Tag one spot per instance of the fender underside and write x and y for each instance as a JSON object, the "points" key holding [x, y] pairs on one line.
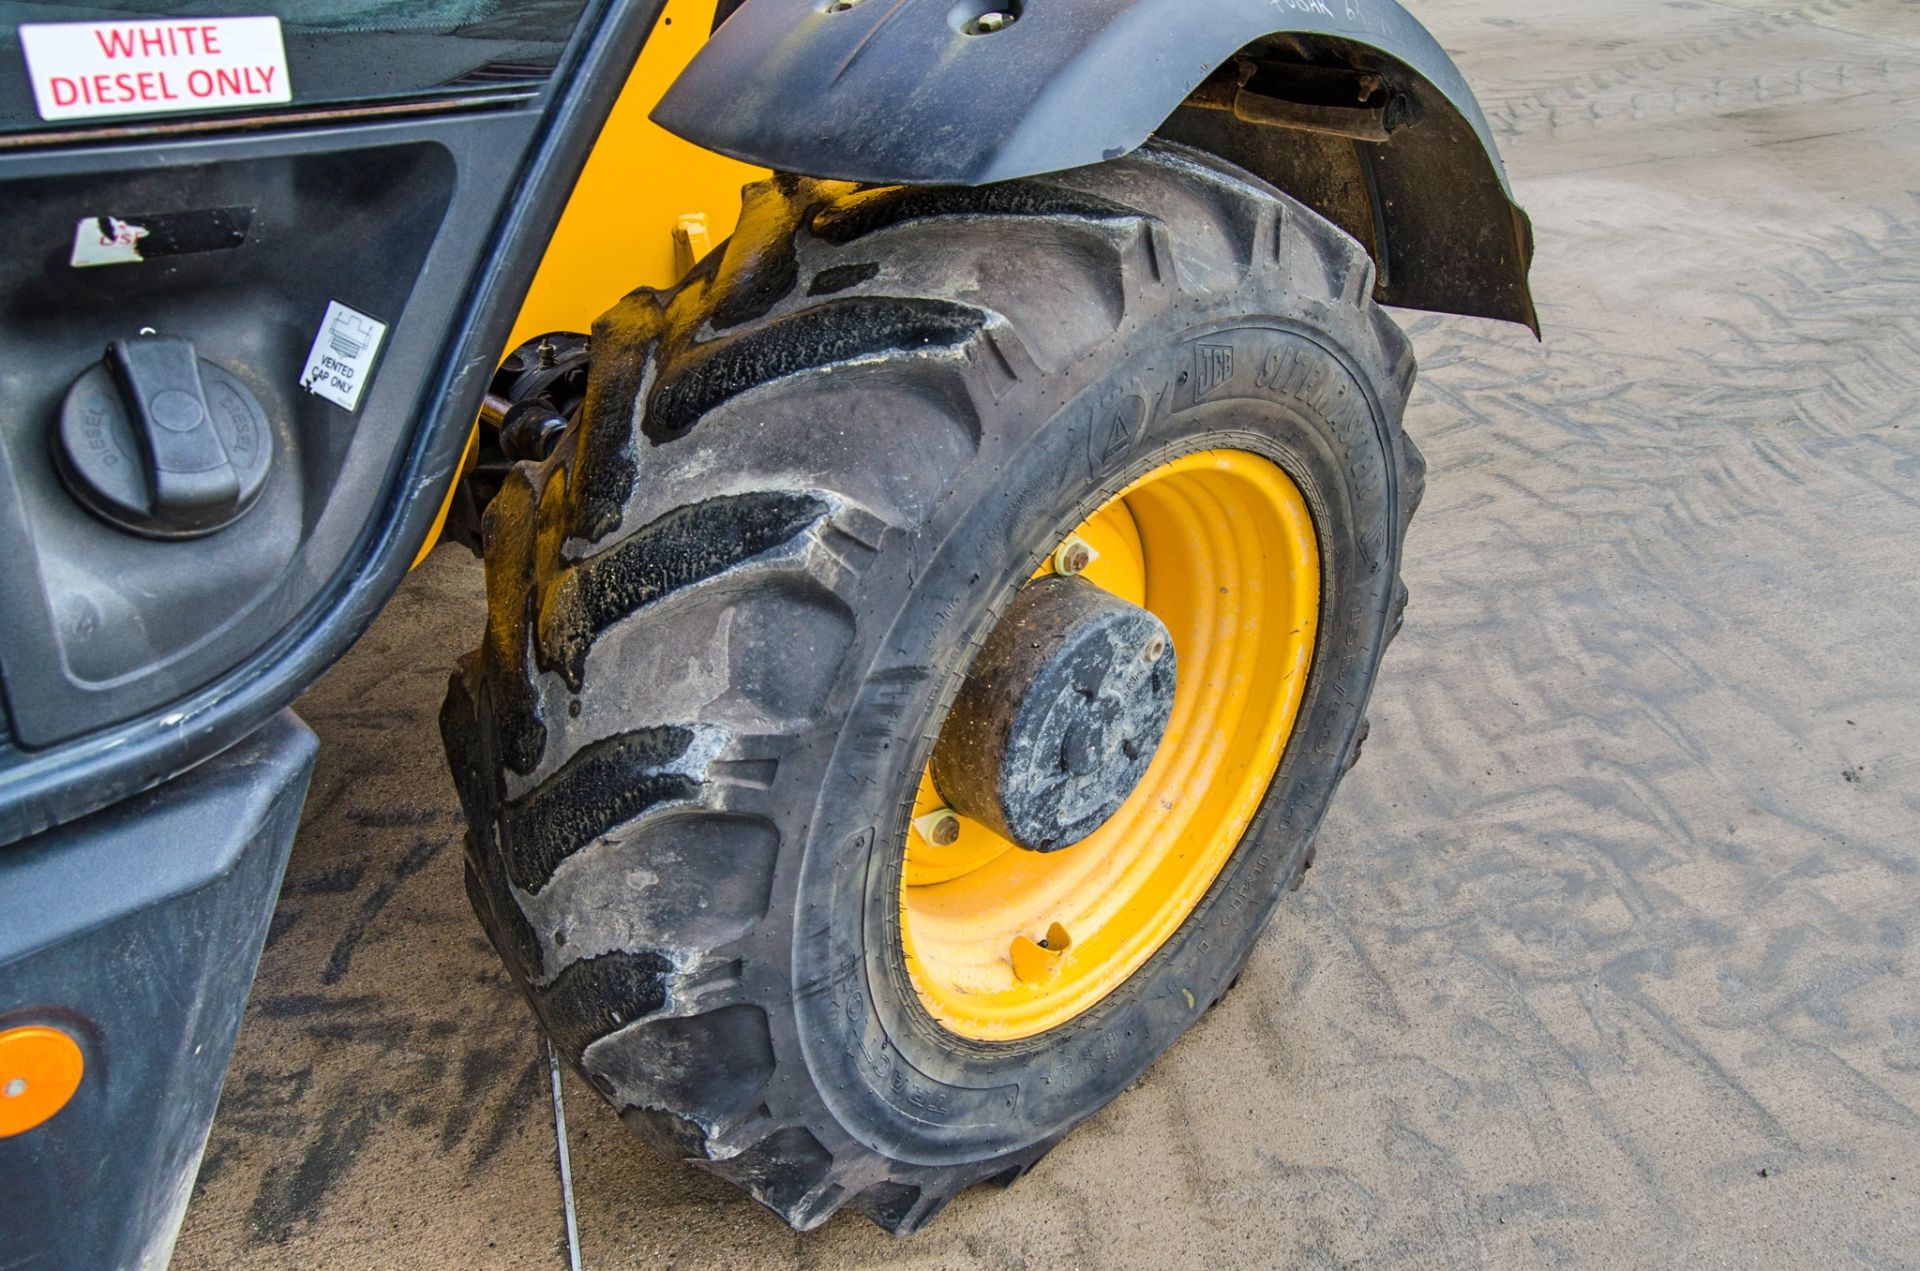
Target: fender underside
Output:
{"points": [[1350, 106]]}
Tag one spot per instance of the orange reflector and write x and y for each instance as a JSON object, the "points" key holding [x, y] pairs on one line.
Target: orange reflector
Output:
{"points": [[39, 1071]]}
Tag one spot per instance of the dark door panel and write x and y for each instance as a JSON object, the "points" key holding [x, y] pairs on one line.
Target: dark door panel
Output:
{"points": [[241, 361]]}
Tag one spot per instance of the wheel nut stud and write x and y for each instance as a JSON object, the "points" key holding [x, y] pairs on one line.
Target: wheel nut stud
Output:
{"points": [[1073, 557], [1155, 649], [940, 827]]}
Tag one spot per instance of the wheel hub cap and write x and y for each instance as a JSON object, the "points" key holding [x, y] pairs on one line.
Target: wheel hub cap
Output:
{"points": [[1060, 716]]}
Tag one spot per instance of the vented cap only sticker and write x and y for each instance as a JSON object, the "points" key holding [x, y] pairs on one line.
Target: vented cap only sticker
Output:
{"points": [[91, 70], [341, 360]]}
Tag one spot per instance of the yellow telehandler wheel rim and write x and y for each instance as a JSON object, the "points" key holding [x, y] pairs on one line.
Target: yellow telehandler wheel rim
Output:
{"points": [[1003, 943]]}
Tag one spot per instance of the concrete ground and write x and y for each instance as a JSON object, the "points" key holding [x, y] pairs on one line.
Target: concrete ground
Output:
{"points": [[1613, 953]]}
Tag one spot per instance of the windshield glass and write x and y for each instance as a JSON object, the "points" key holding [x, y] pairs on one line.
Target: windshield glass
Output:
{"points": [[336, 51]]}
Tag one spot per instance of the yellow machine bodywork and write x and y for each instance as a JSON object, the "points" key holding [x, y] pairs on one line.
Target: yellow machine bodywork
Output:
{"points": [[646, 207]]}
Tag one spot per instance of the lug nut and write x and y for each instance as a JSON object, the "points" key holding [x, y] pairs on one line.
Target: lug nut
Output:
{"points": [[1073, 556], [988, 23], [1155, 650], [940, 828]]}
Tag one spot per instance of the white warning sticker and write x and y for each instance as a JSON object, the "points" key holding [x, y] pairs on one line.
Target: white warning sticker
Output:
{"points": [[341, 360], [106, 240], [85, 70]]}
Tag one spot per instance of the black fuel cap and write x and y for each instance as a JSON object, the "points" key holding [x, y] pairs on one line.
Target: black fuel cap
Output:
{"points": [[161, 442]]}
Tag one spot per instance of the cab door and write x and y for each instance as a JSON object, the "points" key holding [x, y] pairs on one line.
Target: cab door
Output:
{"points": [[303, 228]]}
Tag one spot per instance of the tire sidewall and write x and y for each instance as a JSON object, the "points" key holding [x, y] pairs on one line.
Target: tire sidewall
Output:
{"points": [[892, 1077]]}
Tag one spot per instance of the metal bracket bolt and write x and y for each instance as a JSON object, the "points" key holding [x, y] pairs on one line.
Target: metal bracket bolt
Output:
{"points": [[940, 827], [1073, 556]]}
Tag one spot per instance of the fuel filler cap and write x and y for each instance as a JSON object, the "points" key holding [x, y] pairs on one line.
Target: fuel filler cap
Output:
{"points": [[160, 442]]}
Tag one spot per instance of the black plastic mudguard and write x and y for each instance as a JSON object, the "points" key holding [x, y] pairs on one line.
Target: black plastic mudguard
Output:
{"points": [[898, 91]]}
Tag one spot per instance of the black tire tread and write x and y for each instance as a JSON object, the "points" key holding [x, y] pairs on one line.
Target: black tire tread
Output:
{"points": [[571, 779]]}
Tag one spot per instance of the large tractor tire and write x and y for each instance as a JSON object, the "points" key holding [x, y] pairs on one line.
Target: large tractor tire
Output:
{"points": [[911, 688]]}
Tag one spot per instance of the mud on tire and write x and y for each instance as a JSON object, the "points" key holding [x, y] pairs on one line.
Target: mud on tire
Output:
{"points": [[727, 615]]}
